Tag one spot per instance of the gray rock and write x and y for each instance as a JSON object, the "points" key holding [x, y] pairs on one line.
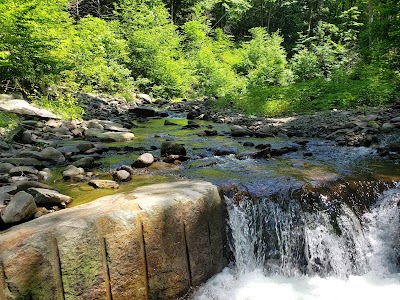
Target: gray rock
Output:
{"points": [[5, 167], [24, 170], [104, 184], [48, 197], [143, 161], [21, 107], [84, 162], [4, 145], [114, 136], [129, 169], [26, 137], [84, 146], [238, 131], [72, 172], [144, 98], [395, 120], [52, 154], [24, 161], [121, 175], [21, 207], [25, 185], [68, 149], [9, 189], [45, 174]]}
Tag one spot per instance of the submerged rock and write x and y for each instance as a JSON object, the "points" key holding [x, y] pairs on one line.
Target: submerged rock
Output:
{"points": [[172, 148]]}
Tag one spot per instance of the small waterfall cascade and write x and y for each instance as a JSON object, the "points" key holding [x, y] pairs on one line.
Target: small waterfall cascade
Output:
{"points": [[281, 237], [312, 246]]}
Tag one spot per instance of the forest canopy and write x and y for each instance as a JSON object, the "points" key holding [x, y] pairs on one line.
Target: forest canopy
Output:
{"points": [[268, 57]]}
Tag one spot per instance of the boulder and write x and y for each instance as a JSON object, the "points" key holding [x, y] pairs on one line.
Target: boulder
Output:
{"points": [[143, 161], [72, 172], [48, 197], [44, 174], [152, 243], [106, 136], [4, 146], [52, 154], [21, 107], [9, 189], [143, 111], [5, 167], [121, 175], [239, 131], [394, 147], [22, 207], [24, 170], [144, 98], [172, 148], [104, 184], [84, 162]]}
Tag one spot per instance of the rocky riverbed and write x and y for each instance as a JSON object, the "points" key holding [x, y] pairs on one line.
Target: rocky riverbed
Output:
{"points": [[113, 149]]}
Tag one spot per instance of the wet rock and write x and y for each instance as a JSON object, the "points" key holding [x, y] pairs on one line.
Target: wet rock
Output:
{"points": [[169, 123], [48, 197], [52, 154], [5, 167], [24, 170], [21, 207], [223, 150], [143, 111], [210, 132], [283, 150], [394, 147], [172, 148], [239, 131], [104, 184], [143, 161], [191, 125], [121, 175], [84, 162], [248, 144]]}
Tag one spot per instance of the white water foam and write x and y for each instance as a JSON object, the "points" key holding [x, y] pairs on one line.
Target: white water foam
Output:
{"points": [[363, 260]]}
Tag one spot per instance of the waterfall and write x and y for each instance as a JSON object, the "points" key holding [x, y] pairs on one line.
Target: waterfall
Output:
{"points": [[318, 247]]}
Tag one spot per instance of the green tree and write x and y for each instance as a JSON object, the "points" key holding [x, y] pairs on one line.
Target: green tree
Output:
{"points": [[31, 32], [97, 56], [157, 62]]}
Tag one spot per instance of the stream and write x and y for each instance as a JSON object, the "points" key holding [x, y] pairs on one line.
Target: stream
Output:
{"points": [[321, 222]]}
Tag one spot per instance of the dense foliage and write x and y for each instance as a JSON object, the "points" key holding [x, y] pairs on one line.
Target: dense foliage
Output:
{"points": [[263, 56]]}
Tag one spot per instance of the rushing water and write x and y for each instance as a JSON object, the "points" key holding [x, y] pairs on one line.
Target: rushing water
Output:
{"points": [[285, 250]]}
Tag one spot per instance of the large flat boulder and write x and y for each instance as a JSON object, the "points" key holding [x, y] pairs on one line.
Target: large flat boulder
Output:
{"points": [[152, 243], [21, 107]]}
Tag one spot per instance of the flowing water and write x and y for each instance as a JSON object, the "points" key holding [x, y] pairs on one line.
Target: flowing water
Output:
{"points": [[284, 249]]}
